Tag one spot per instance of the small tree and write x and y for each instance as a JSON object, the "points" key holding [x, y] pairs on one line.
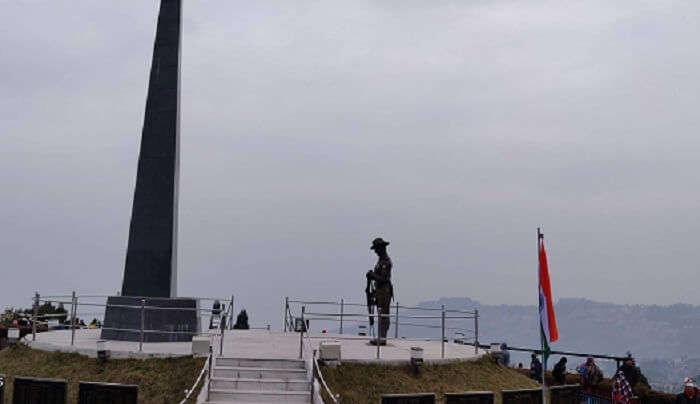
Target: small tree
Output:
{"points": [[241, 321], [49, 309]]}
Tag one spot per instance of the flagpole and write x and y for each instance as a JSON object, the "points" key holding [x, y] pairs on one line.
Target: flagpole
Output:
{"points": [[540, 236]]}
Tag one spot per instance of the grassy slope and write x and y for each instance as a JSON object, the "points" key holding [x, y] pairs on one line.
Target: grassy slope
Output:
{"points": [[160, 381], [366, 383]]}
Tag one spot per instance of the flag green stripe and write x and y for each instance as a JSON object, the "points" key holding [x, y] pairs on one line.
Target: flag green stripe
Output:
{"points": [[545, 346]]}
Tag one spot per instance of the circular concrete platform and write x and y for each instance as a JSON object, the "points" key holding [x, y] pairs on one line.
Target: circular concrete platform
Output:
{"points": [[261, 344]]}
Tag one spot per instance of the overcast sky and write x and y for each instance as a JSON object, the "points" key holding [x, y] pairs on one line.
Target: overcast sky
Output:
{"points": [[451, 128]]}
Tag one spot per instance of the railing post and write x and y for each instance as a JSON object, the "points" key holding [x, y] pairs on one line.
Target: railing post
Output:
{"points": [[301, 333], [313, 376], [342, 306], [35, 315], [73, 313], [286, 310], [221, 341], [396, 322], [143, 323], [211, 359], [476, 331], [379, 331], [230, 317], [442, 340]]}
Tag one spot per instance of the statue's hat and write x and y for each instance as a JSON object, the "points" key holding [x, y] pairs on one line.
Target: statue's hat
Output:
{"points": [[378, 242]]}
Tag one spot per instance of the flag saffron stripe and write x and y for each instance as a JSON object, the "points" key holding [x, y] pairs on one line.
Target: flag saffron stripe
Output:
{"points": [[549, 323]]}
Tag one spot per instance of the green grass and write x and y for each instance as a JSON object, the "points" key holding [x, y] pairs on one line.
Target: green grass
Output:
{"points": [[160, 381], [365, 383]]}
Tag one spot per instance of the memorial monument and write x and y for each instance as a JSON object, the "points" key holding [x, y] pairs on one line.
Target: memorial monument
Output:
{"points": [[383, 290], [150, 273]]}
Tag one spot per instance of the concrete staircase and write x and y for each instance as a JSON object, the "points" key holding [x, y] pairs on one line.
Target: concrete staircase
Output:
{"points": [[237, 380]]}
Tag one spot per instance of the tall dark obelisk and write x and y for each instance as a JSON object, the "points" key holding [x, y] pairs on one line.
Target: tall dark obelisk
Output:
{"points": [[150, 273], [151, 257]]}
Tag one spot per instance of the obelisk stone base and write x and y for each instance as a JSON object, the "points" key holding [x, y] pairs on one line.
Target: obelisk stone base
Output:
{"points": [[124, 323]]}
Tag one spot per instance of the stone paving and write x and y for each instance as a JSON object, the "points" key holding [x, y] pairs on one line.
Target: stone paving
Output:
{"points": [[261, 344]]}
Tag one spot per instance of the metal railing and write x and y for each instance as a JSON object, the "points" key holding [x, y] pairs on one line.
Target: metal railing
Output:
{"points": [[590, 398], [538, 351], [305, 346], [315, 368], [348, 313], [75, 303]]}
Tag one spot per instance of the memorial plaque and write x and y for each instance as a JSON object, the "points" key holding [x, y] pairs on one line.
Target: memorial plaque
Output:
{"points": [[420, 398], [469, 397], [107, 393], [527, 396], [566, 394], [28, 390], [2, 388]]}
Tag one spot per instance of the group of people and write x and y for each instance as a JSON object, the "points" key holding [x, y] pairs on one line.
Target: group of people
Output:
{"points": [[558, 372], [590, 374], [627, 376]]}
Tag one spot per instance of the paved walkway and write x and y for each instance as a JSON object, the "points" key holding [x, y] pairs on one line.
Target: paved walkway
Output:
{"points": [[260, 344]]}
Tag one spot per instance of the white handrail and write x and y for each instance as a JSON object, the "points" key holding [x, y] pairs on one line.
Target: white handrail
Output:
{"points": [[320, 374], [196, 383]]}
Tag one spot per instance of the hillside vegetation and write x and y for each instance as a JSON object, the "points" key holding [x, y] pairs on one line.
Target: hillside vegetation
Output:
{"points": [[160, 381], [365, 383]]}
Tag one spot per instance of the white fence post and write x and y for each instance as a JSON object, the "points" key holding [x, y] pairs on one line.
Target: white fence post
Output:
{"points": [[35, 317], [476, 331], [230, 317], [143, 322], [342, 306], [301, 333], [379, 331], [396, 322], [209, 376], [442, 340], [286, 310], [73, 313]]}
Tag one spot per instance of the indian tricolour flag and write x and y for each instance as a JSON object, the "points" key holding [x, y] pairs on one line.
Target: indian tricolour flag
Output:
{"points": [[548, 324]]}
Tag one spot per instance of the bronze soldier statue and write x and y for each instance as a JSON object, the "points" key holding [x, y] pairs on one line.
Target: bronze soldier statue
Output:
{"points": [[383, 289]]}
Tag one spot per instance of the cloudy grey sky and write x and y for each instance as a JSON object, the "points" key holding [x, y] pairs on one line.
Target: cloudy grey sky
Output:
{"points": [[451, 128]]}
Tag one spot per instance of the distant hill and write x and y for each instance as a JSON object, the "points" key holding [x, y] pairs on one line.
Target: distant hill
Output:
{"points": [[649, 332], [664, 339]]}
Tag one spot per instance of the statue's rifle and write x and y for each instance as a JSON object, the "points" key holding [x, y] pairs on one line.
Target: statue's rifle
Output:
{"points": [[371, 301]]}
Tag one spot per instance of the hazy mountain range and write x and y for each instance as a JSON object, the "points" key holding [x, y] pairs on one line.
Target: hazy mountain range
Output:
{"points": [[664, 339]]}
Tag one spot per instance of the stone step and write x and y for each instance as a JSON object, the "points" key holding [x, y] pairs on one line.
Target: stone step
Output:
{"points": [[260, 363], [236, 396], [260, 384], [234, 372]]}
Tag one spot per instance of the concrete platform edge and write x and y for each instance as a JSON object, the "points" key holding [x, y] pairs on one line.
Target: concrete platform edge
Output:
{"points": [[92, 353]]}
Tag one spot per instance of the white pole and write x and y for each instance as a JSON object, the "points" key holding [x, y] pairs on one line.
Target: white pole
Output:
{"points": [[35, 315], [230, 316], [396, 322], [143, 323], [221, 342], [476, 331], [301, 333], [379, 331], [442, 339], [73, 312], [286, 310], [342, 309]]}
